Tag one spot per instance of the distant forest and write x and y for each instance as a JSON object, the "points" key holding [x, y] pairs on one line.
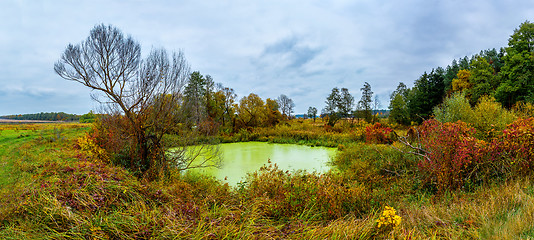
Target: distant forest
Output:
{"points": [[50, 116]]}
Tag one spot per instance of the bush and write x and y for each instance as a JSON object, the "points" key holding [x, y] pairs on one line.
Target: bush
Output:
{"points": [[516, 146], [454, 158], [524, 109], [88, 117], [89, 147], [117, 147], [284, 195], [452, 154], [374, 165], [453, 109], [378, 134], [488, 117]]}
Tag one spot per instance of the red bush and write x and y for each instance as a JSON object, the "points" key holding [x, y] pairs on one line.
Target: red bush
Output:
{"points": [[453, 157], [517, 146], [378, 134], [452, 153]]}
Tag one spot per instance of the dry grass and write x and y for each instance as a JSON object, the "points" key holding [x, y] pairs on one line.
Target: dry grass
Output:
{"points": [[71, 198], [498, 212]]}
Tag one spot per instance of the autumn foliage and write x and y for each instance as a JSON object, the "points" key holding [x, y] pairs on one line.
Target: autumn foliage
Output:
{"points": [[282, 194], [454, 158], [378, 134], [451, 153], [517, 146]]}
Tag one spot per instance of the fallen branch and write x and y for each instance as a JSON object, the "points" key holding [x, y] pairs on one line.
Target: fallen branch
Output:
{"points": [[418, 149]]}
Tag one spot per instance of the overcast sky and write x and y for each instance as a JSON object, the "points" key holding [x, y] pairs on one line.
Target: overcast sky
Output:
{"points": [[299, 48]]}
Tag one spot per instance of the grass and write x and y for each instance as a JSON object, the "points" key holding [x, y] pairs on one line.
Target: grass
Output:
{"points": [[49, 190], [23, 146]]}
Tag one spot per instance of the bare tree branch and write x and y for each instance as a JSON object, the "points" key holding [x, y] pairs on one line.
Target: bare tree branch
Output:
{"points": [[146, 92]]}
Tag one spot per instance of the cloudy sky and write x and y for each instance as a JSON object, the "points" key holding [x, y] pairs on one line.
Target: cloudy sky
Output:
{"points": [[299, 48]]}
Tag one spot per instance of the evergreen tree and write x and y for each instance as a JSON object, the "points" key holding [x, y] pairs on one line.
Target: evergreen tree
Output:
{"points": [[365, 102], [451, 73], [332, 101], [195, 98], [427, 93], [332, 106]]}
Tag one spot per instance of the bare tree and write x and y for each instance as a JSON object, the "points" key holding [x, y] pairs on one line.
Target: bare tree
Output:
{"points": [[286, 104], [141, 96], [377, 105]]}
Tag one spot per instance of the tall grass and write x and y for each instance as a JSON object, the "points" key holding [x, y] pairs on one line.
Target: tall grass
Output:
{"points": [[56, 192]]}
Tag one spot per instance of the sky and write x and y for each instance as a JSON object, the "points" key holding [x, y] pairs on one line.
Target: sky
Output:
{"points": [[301, 49]]}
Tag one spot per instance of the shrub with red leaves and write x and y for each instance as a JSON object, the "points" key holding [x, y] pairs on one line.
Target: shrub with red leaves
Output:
{"points": [[378, 134], [516, 146], [452, 153]]}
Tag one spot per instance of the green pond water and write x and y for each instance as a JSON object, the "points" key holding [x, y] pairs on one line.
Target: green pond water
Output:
{"points": [[238, 159]]}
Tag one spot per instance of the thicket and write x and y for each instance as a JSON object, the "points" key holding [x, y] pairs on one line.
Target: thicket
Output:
{"points": [[452, 157], [488, 117]]}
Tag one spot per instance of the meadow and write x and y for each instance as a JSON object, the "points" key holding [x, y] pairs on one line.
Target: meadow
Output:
{"points": [[53, 186]]}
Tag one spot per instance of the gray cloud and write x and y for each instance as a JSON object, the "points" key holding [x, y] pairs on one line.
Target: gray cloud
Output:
{"points": [[302, 49], [288, 54]]}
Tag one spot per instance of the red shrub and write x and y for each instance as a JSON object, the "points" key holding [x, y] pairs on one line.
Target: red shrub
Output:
{"points": [[453, 157], [517, 146], [379, 134], [452, 153]]}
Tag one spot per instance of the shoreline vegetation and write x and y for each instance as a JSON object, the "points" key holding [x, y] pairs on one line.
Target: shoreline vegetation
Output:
{"points": [[53, 187]]}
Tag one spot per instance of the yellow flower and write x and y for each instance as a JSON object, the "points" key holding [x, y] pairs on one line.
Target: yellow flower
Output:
{"points": [[388, 218]]}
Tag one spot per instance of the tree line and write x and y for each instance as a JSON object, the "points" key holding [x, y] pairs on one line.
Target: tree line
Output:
{"points": [[212, 107], [341, 104], [44, 116], [506, 75]]}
